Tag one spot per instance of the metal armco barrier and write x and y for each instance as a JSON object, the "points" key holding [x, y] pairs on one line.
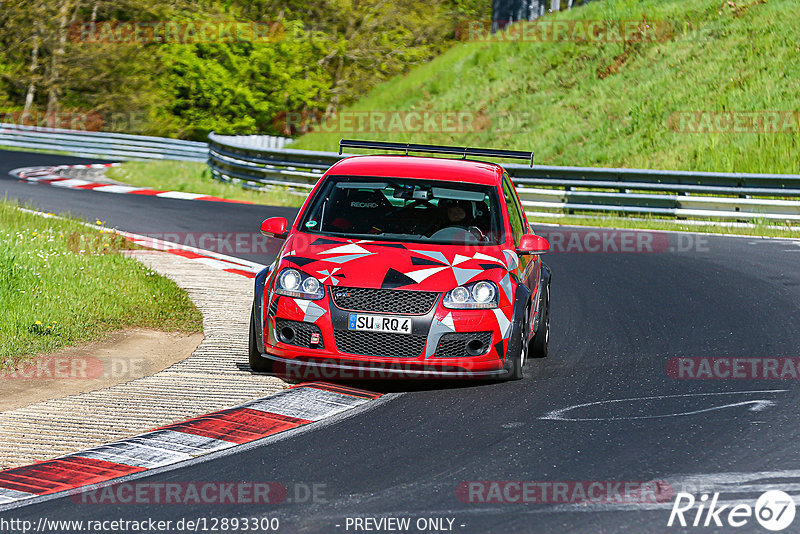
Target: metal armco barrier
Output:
{"points": [[258, 161], [681, 194], [101, 144], [230, 160]]}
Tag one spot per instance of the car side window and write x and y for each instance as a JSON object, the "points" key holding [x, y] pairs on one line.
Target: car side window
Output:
{"points": [[520, 207], [515, 218]]}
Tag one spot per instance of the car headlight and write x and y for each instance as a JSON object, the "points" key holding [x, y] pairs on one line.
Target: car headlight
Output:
{"points": [[293, 283], [481, 294]]}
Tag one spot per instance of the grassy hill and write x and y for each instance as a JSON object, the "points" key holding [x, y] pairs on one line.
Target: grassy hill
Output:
{"points": [[602, 103]]}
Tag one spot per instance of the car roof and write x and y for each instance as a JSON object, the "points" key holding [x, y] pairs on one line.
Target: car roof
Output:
{"points": [[447, 169]]}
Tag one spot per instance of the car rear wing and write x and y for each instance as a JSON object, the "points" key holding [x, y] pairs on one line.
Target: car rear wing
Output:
{"points": [[437, 149]]}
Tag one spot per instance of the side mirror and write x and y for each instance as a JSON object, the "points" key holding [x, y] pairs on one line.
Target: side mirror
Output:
{"points": [[275, 227], [532, 244]]}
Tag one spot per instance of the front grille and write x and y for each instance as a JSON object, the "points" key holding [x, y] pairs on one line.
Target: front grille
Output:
{"points": [[302, 333], [379, 344], [455, 345], [384, 300]]}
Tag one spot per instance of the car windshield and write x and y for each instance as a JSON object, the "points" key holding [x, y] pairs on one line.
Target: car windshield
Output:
{"points": [[405, 209]]}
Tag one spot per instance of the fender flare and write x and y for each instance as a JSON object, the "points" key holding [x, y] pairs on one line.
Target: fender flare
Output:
{"points": [[258, 300], [521, 299]]}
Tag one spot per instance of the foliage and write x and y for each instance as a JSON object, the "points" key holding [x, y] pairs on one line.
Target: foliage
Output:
{"points": [[325, 54]]}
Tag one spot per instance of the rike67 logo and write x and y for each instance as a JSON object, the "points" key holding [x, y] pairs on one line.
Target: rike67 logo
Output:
{"points": [[774, 510]]}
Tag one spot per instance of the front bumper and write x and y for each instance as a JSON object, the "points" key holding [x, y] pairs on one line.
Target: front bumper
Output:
{"points": [[329, 358]]}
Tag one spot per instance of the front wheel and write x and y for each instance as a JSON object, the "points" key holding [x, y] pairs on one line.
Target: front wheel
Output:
{"points": [[258, 363]]}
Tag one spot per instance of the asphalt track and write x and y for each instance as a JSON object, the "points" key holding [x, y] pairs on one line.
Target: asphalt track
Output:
{"points": [[616, 321]]}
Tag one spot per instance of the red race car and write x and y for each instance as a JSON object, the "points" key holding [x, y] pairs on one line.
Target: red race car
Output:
{"points": [[404, 266]]}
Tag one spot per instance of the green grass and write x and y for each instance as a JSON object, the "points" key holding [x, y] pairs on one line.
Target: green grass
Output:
{"points": [[195, 177], [62, 284], [721, 57]]}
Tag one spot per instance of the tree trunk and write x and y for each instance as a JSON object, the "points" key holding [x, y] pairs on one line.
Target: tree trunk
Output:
{"points": [[33, 68], [53, 91]]}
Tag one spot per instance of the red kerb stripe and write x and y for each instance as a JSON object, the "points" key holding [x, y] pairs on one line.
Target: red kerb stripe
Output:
{"points": [[237, 425], [248, 274], [62, 474]]}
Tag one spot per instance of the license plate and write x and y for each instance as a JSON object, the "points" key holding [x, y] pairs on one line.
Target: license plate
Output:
{"points": [[379, 323]]}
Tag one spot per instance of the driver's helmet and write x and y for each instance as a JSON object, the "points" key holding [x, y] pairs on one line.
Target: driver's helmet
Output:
{"points": [[451, 211]]}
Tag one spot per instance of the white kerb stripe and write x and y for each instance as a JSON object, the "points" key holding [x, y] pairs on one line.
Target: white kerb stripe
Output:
{"points": [[71, 183], [307, 403], [131, 453], [180, 194], [118, 188], [10, 495], [43, 177], [171, 440], [217, 264]]}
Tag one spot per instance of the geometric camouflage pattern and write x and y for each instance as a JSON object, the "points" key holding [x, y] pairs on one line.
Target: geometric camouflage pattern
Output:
{"points": [[402, 265]]}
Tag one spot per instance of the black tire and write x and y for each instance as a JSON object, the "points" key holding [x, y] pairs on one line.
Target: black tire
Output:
{"points": [[258, 363], [540, 341], [515, 355], [526, 346]]}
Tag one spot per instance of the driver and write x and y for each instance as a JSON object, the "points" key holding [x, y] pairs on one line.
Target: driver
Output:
{"points": [[458, 212]]}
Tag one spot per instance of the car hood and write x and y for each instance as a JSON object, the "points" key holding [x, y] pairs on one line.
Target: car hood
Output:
{"points": [[391, 265]]}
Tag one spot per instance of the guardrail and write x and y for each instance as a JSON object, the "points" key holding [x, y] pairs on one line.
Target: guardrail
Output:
{"points": [[101, 144], [256, 167], [258, 161], [681, 194], [548, 189], [254, 141]]}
